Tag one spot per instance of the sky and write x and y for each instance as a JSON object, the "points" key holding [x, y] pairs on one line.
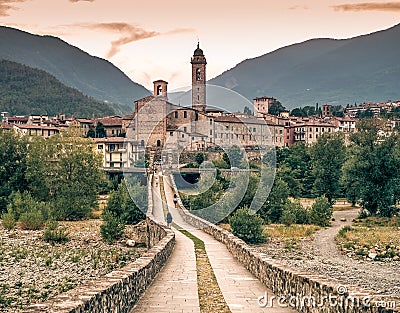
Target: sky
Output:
{"points": [[150, 40]]}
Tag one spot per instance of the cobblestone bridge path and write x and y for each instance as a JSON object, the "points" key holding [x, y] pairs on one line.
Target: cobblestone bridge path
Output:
{"points": [[175, 288]]}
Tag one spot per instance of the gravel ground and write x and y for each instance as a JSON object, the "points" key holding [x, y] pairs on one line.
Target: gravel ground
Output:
{"points": [[322, 256], [32, 270]]}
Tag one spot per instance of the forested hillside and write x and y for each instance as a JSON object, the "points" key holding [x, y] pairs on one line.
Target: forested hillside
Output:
{"points": [[24, 91]]}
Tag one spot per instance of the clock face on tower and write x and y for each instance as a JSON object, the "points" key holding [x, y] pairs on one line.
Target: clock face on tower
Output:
{"points": [[198, 74]]}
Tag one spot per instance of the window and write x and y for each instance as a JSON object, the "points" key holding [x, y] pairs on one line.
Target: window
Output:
{"points": [[192, 138], [254, 130], [198, 74], [316, 129], [176, 114], [210, 131], [183, 135], [210, 121], [185, 129], [310, 135], [158, 143], [99, 147], [142, 143], [112, 131], [171, 133], [323, 129], [112, 147], [316, 136], [310, 129], [184, 114]]}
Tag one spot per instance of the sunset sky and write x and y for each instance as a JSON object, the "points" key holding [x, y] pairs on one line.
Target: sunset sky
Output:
{"points": [[151, 40]]}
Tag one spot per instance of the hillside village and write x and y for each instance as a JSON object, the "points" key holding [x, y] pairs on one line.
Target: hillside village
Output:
{"points": [[157, 123]]}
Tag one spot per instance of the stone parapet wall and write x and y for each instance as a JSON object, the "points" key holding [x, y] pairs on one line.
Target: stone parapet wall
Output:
{"points": [[302, 288], [118, 291]]}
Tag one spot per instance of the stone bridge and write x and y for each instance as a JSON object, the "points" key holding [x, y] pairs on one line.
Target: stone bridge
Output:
{"points": [[165, 280]]}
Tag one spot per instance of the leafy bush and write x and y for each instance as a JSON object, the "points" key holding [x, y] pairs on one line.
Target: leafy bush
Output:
{"points": [[247, 226], [8, 221], [295, 213], [288, 217], [321, 212], [21, 203], [32, 220], [113, 227], [121, 204], [55, 234]]}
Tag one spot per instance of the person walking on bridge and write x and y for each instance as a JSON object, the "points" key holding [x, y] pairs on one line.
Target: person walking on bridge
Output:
{"points": [[169, 219]]}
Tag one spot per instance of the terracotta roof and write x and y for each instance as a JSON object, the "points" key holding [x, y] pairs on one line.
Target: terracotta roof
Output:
{"points": [[37, 127], [84, 120], [110, 121], [129, 116], [145, 99], [17, 119]]}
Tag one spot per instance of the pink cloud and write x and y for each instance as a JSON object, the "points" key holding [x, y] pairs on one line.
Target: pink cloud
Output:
{"points": [[6, 5], [129, 33], [369, 6]]}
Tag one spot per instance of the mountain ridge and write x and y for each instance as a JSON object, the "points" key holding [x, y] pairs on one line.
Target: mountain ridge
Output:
{"points": [[282, 73], [25, 90], [93, 76]]}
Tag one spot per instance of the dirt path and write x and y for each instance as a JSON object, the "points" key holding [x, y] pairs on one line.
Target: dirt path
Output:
{"points": [[324, 242], [322, 256]]}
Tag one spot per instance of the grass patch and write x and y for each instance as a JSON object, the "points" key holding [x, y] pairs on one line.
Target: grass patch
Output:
{"points": [[210, 296], [380, 236], [294, 232]]}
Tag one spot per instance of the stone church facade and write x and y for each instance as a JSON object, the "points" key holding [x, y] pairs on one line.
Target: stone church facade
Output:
{"points": [[159, 125]]}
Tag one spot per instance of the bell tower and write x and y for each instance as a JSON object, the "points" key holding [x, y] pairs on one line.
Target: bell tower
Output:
{"points": [[199, 80]]}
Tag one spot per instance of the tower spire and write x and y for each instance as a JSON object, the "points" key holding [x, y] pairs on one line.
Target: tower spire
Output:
{"points": [[199, 79]]}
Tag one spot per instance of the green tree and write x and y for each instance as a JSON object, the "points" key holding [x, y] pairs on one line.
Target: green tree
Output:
{"points": [[247, 110], [327, 158], [64, 171], [295, 213], [199, 157], [276, 108], [272, 209], [13, 153], [112, 228], [233, 157], [374, 166], [247, 226], [91, 132], [123, 206], [100, 130], [321, 212], [294, 167]]}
